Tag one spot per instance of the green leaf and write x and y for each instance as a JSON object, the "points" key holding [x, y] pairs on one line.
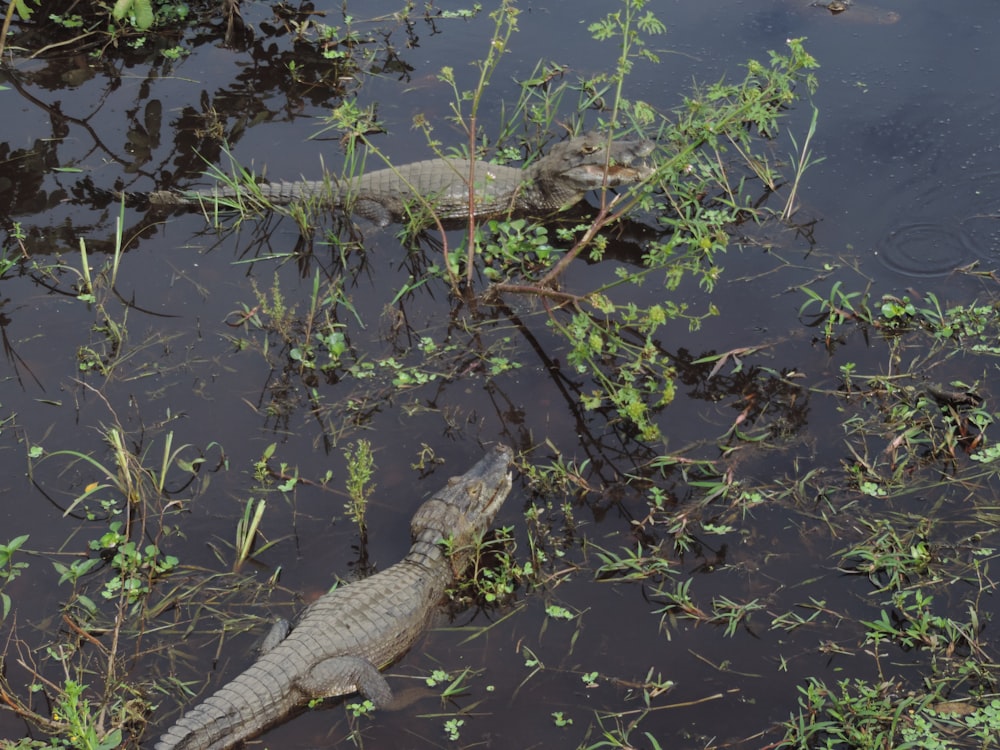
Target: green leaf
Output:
{"points": [[113, 740], [15, 543], [23, 11], [141, 10], [121, 8], [558, 613], [143, 14]]}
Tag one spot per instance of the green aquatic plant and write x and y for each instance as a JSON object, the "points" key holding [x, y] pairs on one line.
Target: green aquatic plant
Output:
{"points": [[9, 570], [360, 470]]}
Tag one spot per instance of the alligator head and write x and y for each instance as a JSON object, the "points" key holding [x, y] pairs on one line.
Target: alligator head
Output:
{"points": [[466, 507], [575, 167]]}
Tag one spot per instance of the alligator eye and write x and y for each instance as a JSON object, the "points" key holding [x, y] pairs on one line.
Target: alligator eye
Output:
{"points": [[590, 149]]}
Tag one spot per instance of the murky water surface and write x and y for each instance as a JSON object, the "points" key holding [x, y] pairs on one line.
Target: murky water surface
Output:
{"points": [[908, 192]]}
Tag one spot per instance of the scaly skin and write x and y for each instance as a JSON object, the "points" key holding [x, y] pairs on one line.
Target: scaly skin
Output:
{"points": [[349, 634], [559, 179]]}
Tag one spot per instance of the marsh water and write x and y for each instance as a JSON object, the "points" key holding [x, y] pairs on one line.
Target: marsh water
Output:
{"points": [[905, 202]]}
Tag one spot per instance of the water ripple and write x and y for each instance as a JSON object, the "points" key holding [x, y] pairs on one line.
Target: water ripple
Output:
{"points": [[981, 212], [942, 192], [926, 249]]}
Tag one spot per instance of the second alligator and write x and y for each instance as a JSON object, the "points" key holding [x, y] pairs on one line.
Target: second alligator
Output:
{"points": [[556, 181], [349, 634]]}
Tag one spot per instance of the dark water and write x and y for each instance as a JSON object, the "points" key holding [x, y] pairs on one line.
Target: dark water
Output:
{"points": [[908, 192]]}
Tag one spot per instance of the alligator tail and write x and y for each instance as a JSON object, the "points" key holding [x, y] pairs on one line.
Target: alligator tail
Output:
{"points": [[240, 709]]}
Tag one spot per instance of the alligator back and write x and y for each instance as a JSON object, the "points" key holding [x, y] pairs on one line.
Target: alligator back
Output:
{"points": [[442, 186], [375, 621], [433, 186]]}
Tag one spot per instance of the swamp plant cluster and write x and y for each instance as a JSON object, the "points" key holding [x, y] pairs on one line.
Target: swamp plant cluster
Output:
{"points": [[907, 513]]}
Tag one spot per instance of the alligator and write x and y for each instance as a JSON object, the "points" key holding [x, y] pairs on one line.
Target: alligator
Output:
{"points": [[556, 181], [346, 636]]}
